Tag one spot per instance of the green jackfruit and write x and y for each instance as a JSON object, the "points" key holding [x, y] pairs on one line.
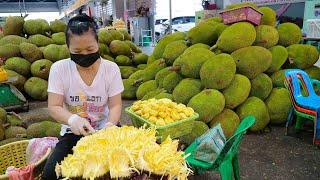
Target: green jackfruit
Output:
{"points": [[126, 71], [203, 33], [57, 26], [123, 60], [269, 16], [253, 60], [41, 68], [108, 57], [103, 49], [174, 50], [160, 47], [118, 47], [3, 116], [34, 131], [239, 5], [195, 46], [43, 129], [171, 81], [313, 72], [133, 47], [36, 88], [279, 105], [164, 95], [125, 34], [19, 65], [54, 130], [207, 104], [140, 58], [228, 120], [9, 50], [138, 75], [237, 92], [256, 107], [151, 59], [104, 36], [19, 83], [218, 72], [267, 36], [59, 38], [130, 89], [2, 133], [236, 36], [151, 71], [186, 89], [142, 66], [303, 55], [30, 52], [36, 26], [278, 78], [189, 64], [153, 93], [12, 39], [55, 52], [145, 88], [10, 140], [13, 26], [40, 40], [1, 35], [14, 120], [279, 57], [289, 34], [161, 75], [261, 86], [15, 131], [116, 35], [198, 129], [214, 19], [220, 28]]}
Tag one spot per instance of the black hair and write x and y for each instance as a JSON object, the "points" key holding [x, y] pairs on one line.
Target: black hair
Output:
{"points": [[80, 24]]}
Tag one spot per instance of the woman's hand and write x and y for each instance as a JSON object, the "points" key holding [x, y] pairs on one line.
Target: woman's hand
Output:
{"points": [[79, 125]]}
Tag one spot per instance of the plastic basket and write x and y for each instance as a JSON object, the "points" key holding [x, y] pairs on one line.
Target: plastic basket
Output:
{"points": [[175, 129], [246, 13]]}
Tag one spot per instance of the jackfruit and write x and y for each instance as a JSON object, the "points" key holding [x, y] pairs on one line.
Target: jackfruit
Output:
{"points": [[123, 60], [279, 105], [253, 60], [41, 68], [12, 39], [213, 19], [125, 34], [150, 72], [133, 46], [228, 120], [140, 58], [3, 116], [2, 133], [151, 59], [269, 16], [218, 72], [203, 33], [279, 57], [15, 132], [164, 95], [120, 48], [198, 129], [256, 107], [261, 86], [13, 26], [1, 35], [303, 55], [189, 64], [19, 83], [145, 88], [160, 47], [9, 50], [55, 52], [313, 72], [186, 89], [126, 71], [19, 65], [59, 38], [278, 78], [174, 50], [289, 34], [57, 26], [104, 36], [171, 81], [130, 89], [53, 130], [36, 88], [207, 104], [220, 28], [239, 5], [153, 93], [142, 66], [108, 57], [116, 35], [267, 36], [237, 92], [161, 75], [40, 40], [43, 129], [30, 52], [138, 75], [36, 26], [103, 49], [195, 46], [10, 140], [14, 120], [236, 36]]}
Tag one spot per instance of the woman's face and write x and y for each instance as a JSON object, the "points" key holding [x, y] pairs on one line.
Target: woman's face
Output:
{"points": [[83, 44]]}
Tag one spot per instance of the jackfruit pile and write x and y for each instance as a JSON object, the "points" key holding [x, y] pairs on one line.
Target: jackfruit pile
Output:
{"points": [[226, 72], [124, 150], [13, 128], [161, 112]]}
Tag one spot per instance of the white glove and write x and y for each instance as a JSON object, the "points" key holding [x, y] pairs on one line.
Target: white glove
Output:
{"points": [[79, 125], [109, 124]]}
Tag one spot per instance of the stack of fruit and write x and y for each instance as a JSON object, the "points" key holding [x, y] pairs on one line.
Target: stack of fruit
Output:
{"points": [[226, 72], [12, 128]]}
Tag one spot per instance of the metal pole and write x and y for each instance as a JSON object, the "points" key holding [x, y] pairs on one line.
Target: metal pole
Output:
{"points": [[170, 16], [125, 12]]}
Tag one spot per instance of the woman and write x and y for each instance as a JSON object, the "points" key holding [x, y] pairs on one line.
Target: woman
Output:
{"points": [[84, 91]]}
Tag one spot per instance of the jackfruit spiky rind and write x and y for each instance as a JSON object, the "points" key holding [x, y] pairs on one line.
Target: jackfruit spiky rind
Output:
{"points": [[126, 71], [9, 51], [160, 47], [41, 68], [303, 55], [13, 26], [161, 75], [145, 88], [118, 47], [152, 94], [313, 72], [59, 38], [171, 81], [174, 50], [19, 83], [36, 88], [123, 60], [198, 129], [14, 120], [12, 39], [103, 49], [36, 26], [57, 26], [186, 89], [104, 36], [2, 133], [198, 45], [203, 33], [40, 40], [133, 46], [164, 95], [130, 89], [256, 107], [279, 105], [289, 34], [267, 36], [108, 57], [151, 59], [140, 58], [19, 65], [269, 16], [228, 120], [30, 52], [279, 57], [15, 131], [261, 86], [278, 78], [55, 52], [142, 66], [3, 116], [43, 129]]}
